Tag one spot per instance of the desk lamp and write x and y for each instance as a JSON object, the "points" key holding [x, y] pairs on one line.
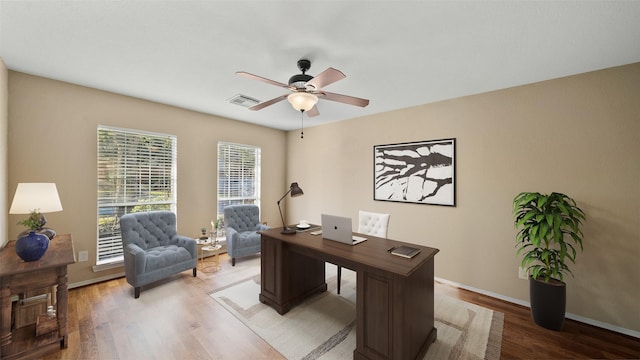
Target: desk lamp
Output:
{"points": [[295, 190]]}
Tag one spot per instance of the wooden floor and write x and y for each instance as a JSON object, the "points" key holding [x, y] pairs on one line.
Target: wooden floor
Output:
{"points": [[175, 319]]}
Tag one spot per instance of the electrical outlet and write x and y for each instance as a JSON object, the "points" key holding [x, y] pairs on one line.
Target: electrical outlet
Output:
{"points": [[522, 273], [83, 256]]}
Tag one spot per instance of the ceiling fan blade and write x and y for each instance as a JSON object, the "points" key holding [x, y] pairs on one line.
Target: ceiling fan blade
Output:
{"points": [[313, 111], [260, 78], [264, 104], [346, 99], [325, 78]]}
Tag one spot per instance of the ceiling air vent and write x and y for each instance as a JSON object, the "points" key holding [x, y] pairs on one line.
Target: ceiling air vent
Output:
{"points": [[243, 100]]}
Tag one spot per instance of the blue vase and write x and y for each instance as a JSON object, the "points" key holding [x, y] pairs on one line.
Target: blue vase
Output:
{"points": [[32, 246]]}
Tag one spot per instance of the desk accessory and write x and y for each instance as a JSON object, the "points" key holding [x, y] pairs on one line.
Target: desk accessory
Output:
{"points": [[404, 251]]}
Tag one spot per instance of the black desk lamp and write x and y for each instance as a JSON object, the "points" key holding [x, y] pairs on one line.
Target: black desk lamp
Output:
{"points": [[295, 190]]}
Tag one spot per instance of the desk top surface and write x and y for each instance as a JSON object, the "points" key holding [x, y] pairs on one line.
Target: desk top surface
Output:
{"points": [[372, 253], [59, 253]]}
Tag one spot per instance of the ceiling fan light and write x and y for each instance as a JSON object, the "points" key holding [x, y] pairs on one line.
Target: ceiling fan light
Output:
{"points": [[302, 101]]}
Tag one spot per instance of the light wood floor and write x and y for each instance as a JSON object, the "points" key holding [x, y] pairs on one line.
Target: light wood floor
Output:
{"points": [[175, 319]]}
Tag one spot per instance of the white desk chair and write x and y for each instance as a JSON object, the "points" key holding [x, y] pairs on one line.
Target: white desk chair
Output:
{"points": [[369, 223]]}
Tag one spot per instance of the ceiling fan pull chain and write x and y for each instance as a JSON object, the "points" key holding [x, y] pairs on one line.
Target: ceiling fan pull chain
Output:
{"points": [[302, 124]]}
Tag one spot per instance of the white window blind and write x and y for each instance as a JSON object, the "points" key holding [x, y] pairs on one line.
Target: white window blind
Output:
{"points": [[238, 175], [136, 172]]}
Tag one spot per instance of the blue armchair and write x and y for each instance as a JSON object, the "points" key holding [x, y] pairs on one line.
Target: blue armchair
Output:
{"points": [[242, 223], [152, 248]]}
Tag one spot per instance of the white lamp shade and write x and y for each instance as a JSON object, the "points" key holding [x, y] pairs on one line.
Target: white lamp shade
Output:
{"points": [[40, 197], [302, 100]]}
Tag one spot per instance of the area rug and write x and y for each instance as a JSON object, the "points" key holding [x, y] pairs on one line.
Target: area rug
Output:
{"points": [[323, 327]]}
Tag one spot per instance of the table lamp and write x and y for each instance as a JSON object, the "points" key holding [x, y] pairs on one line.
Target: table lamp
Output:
{"points": [[35, 199], [295, 190]]}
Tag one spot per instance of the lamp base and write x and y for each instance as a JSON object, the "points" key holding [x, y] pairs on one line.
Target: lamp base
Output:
{"points": [[32, 246], [288, 231]]}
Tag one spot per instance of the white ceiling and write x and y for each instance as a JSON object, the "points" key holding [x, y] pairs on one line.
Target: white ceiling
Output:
{"points": [[395, 53]]}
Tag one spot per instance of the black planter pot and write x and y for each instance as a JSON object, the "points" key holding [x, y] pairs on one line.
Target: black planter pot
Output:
{"points": [[548, 302]]}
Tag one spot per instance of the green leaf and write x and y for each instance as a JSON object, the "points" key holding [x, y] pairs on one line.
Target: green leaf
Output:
{"points": [[529, 197], [563, 208], [573, 250], [573, 225], [577, 239], [525, 218], [563, 249], [535, 272], [544, 230], [549, 219], [544, 256], [542, 200], [534, 230], [535, 240]]}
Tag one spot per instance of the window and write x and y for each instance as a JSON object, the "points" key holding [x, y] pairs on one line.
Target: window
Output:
{"points": [[238, 175], [136, 172]]}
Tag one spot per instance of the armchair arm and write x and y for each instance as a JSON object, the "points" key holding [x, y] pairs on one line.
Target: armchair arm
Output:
{"points": [[134, 259], [261, 227], [187, 243], [232, 238]]}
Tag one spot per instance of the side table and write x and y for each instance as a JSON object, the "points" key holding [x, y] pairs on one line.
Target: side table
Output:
{"points": [[17, 276], [199, 253], [215, 249]]}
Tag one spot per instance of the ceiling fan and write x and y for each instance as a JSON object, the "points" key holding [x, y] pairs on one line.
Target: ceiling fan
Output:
{"points": [[306, 89]]}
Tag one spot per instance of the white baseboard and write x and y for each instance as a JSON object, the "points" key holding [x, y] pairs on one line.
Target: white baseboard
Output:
{"points": [[581, 319], [96, 280]]}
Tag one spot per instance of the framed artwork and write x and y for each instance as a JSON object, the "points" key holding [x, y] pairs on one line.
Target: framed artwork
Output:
{"points": [[418, 172]]}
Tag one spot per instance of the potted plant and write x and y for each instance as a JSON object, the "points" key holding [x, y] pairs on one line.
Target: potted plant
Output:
{"points": [[34, 222], [548, 237]]}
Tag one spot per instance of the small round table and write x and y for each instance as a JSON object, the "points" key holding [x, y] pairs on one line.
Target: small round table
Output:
{"points": [[211, 248], [200, 243]]}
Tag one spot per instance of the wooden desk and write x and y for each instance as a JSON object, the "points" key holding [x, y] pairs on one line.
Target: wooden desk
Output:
{"points": [[394, 306], [16, 277]]}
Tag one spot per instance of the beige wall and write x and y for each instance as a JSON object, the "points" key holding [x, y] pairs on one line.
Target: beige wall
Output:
{"points": [[4, 176], [578, 135], [52, 138]]}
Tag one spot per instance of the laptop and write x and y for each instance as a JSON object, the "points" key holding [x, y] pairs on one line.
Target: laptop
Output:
{"points": [[338, 228]]}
